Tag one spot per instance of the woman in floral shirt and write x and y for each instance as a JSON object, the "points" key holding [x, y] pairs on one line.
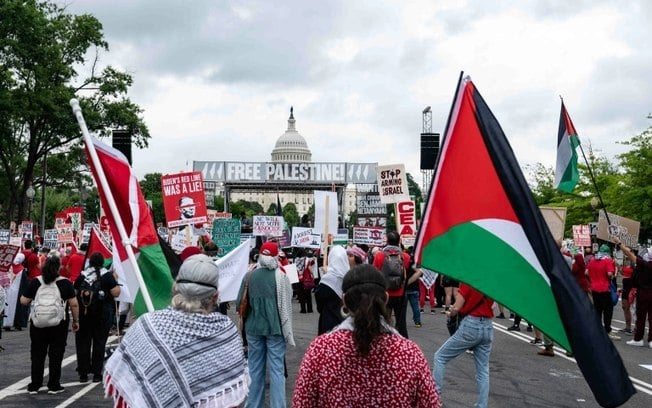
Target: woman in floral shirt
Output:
{"points": [[364, 361]]}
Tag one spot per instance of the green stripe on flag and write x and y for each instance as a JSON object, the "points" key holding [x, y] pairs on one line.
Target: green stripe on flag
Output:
{"points": [[473, 255], [157, 277]]}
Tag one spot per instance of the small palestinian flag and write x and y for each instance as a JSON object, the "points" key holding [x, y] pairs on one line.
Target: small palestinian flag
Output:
{"points": [[566, 173], [481, 226]]}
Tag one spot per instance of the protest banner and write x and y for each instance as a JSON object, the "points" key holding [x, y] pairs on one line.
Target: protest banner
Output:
{"points": [[305, 238], [16, 241], [268, 226], [183, 199], [226, 234], [392, 183], [5, 234], [74, 217], [556, 220], [7, 255], [624, 228], [369, 236], [582, 235]]}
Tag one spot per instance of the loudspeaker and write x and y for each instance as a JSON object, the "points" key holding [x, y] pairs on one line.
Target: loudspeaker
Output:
{"points": [[429, 150], [122, 142]]}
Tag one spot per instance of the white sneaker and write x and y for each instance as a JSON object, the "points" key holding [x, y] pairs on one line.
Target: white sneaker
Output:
{"points": [[638, 343], [650, 344]]}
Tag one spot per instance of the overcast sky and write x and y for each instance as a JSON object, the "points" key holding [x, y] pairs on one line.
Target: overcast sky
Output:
{"points": [[217, 78]]}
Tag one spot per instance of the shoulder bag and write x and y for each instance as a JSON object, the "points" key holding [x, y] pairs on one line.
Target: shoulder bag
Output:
{"points": [[453, 323]]}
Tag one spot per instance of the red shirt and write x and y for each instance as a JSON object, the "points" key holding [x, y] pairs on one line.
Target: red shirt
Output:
{"points": [[379, 258], [598, 274], [472, 299], [627, 272], [394, 374], [75, 265], [33, 269]]}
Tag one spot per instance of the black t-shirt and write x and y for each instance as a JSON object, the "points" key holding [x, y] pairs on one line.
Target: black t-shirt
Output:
{"points": [[65, 288]]}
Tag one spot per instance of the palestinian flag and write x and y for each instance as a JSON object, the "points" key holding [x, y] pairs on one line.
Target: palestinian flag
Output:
{"points": [[134, 218], [481, 226], [566, 173]]}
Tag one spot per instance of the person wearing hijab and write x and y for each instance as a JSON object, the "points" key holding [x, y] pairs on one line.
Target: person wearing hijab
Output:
{"points": [[328, 294], [186, 355], [353, 364], [267, 325]]}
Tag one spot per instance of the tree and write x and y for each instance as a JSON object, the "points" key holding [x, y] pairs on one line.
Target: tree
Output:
{"points": [[42, 50], [291, 215], [150, 185]]}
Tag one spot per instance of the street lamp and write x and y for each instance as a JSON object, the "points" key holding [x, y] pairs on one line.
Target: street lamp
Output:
{"points": [[30, 193]]}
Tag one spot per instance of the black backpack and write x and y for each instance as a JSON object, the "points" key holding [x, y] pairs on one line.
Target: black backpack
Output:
{"points": [[90, 293], [393, 268]]}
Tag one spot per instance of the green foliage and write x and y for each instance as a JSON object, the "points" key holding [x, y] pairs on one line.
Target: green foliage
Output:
{"points": [[150, 185], [43, 52], [291, 215]]}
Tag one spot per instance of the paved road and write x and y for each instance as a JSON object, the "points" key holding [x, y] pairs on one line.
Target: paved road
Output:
{"points": [[519, 378]]}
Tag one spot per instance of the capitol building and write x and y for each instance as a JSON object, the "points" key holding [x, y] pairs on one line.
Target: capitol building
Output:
{"points": [[291, 147]]}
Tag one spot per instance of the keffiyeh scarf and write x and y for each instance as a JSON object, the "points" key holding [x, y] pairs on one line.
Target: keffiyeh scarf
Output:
{"points": [[171, 358]]}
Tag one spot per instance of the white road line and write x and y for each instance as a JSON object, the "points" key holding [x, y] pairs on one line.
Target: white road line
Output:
{"points": [[78, 395]]}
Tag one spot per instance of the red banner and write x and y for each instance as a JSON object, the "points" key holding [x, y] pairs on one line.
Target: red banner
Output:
{"points": [[183, 199]]}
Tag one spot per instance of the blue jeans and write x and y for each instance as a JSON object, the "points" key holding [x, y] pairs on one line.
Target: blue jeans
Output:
{"points": [[413, 298], [266, 351], [476, 334]]}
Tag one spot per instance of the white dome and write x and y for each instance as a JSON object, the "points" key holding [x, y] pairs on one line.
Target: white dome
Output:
{"points": [[291, 147]]}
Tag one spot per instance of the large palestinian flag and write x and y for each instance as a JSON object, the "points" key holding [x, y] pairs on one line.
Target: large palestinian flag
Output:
{"points": [[481, 226]]}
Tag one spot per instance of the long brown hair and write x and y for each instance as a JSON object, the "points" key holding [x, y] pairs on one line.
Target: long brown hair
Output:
{"points": [[365, 296]]}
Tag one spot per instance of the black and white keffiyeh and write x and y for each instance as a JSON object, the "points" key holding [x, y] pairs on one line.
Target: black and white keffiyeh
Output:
{"points": [[171, 358]]}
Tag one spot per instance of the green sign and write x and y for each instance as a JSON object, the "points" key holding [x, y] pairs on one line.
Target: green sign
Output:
{"points": [[226, 234]]}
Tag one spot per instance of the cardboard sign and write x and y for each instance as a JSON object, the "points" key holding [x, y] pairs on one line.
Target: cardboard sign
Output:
{"points": [[556, 220], [406, 218], [305, 238], [7, 255], [325, 220], [226, 234], [392, 184], [369, 236], [268, 226], [624, 228], [183, 199], [582, 235]]}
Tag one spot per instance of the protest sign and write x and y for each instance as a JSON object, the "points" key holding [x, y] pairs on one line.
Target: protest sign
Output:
{"points": [[232, 269], [226, 234], [555, 219], [183, 199], [268, 225], [582, 235], [26, 230], [406, 218], [64, 233], [305, 238], [4, 236], [7, 255], [624, 228], [325, 212], [50, 238], [392, 183], [369, 236]]}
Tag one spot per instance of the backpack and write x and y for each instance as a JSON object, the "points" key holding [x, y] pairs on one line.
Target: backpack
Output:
{"points": [[90, 293], [393, 268], [47, 307], [307, 280]]}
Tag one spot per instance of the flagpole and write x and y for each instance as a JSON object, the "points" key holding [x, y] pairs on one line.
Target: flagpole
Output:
{"points": [[126, 242]]}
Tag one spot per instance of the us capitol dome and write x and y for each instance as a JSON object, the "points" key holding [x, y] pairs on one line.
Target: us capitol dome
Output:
{"points": [[291, 147]]}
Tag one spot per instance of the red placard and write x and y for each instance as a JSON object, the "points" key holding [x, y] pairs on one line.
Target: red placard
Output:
{"points": [[183, 199]]}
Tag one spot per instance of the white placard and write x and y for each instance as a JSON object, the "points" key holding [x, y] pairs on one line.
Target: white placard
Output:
{"points": [[320, 212], [392, 184], [305, 238], [268, 225], [291, 272]]}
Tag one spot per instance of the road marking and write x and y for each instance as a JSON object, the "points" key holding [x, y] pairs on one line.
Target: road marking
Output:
{"points": [[78, 395], [647, 366]]}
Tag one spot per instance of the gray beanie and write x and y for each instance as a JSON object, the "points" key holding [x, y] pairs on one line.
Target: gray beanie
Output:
{"points": [[198, 277]]}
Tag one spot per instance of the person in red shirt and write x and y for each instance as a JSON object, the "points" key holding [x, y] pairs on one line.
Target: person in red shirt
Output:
{"points": [[475, 333], [601, 270], [76, 262], [397, 303], [32, 261], [627, 272]]}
